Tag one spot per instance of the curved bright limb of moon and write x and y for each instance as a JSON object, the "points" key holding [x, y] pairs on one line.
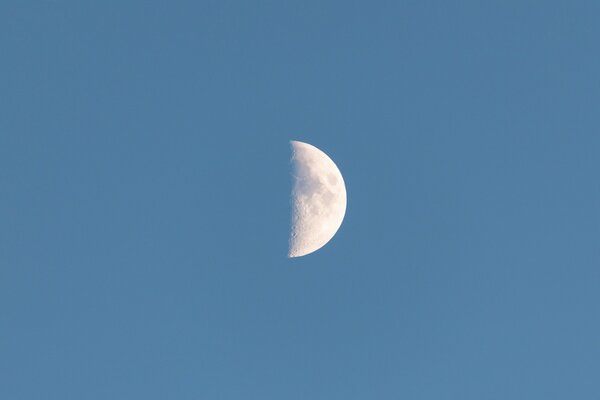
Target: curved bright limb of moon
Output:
{"points": [[318, 199]]}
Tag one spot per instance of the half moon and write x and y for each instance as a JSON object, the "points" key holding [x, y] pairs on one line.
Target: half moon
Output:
{"points": [[318, 199]]}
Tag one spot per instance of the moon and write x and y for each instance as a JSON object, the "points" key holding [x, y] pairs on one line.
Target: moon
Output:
{"points": [[318, 199]]}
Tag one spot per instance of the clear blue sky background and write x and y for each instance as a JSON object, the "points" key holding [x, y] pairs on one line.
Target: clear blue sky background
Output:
{"points": [[144, 186]]}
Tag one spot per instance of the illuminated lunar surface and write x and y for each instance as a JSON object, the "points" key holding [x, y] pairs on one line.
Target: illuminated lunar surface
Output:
{"points": [[318, 199]]}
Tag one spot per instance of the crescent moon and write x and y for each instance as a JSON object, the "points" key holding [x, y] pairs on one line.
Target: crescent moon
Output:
{"points": [[318, 199]]}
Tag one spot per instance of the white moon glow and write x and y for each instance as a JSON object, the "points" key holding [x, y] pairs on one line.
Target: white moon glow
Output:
{"points": [[318, 199]]}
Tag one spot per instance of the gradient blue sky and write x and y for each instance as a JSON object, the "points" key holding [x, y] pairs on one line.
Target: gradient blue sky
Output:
{"points": [[144, 183]]}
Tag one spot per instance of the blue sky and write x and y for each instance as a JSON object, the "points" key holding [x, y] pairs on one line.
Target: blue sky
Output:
{"points": [[144, 200]]}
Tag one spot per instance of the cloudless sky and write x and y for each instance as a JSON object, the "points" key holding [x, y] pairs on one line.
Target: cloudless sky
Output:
{"points": [[144, 200]]}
